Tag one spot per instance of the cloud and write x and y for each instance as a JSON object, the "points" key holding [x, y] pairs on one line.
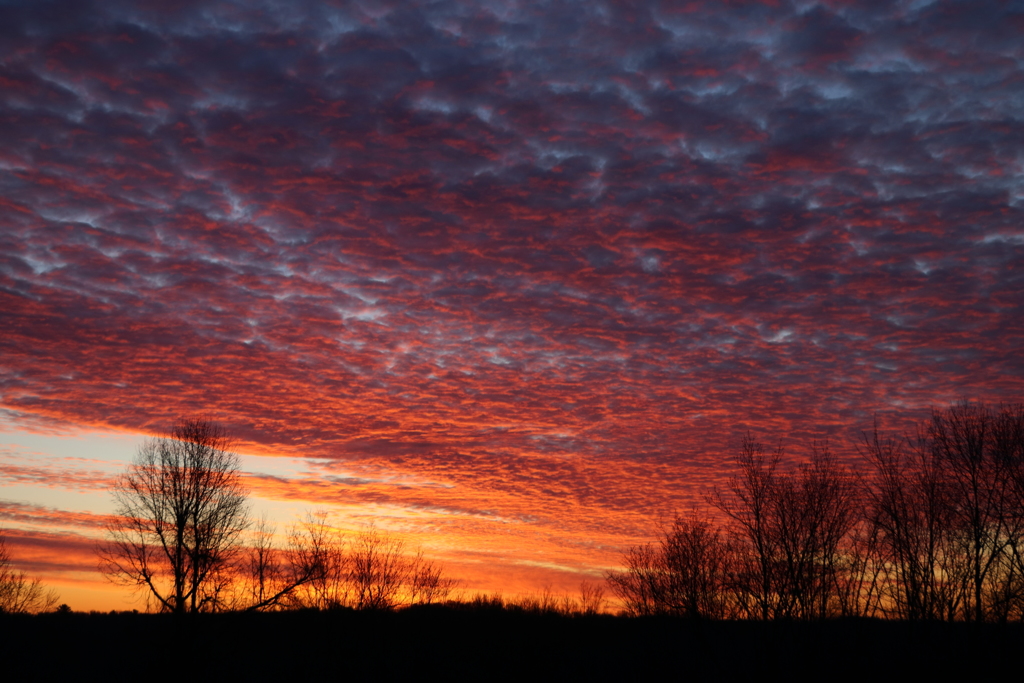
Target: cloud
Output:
{"points": [[542, 253]]}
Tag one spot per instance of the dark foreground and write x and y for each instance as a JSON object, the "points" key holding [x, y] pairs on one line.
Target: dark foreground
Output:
{"points": [[467, 644]]}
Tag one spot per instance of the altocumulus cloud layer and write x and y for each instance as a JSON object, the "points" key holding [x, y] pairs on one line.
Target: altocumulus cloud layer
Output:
{"points": [[536, 264]]}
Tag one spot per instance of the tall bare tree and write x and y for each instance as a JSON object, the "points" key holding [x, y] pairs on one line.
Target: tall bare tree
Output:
{"points": [[1008, 448], [749, 503], [815, 511], [181, 512], [792, 531], [914, 533], [980, 452]]}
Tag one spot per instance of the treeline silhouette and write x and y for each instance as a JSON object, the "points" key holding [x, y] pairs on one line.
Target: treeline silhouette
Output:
{"points": [[932, 530], [474, 640], [909, 566]]}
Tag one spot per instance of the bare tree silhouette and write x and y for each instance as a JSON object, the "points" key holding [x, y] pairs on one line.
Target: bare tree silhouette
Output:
{"points": [[181, 512], [817, 510], [591, 598], [979, 468], [684, 574], [272, 576], [948, 510], [377, 570], [750, 505], [636, 585], [18, 593], [370, 571], [937, 533], [1007, 433], [793, 530], [913, 529], [427, 582], [328, 587]]}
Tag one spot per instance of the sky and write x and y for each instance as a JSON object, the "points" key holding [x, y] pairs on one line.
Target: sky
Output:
{"points": [[509, 280]]}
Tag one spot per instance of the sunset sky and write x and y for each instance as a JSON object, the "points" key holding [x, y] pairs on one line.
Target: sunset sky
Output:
{"points": [[510, 280]]}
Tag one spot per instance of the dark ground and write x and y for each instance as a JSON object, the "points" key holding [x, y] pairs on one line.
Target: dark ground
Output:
{"points": [[462, 643]]}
